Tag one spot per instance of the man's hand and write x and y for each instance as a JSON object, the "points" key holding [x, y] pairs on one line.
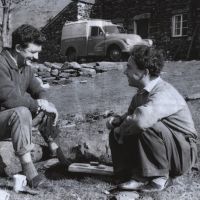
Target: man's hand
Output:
{"points": [[49, 108], [113, 122]]}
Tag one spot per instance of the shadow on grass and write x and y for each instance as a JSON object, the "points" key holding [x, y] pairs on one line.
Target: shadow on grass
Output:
{"points": [[59, 172], [6, 187]]}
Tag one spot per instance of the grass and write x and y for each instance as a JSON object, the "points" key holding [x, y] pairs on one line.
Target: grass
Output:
{"points": [[60, 185]]}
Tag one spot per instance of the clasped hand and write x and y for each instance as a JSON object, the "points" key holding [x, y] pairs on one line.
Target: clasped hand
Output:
{"points": [[49, 108]]}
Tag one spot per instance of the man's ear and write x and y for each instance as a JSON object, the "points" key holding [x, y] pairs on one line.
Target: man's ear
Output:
{"points": [[18, 48]]}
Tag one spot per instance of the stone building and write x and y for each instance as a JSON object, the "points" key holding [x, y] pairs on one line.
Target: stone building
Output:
{"points": [[172, 24], [75, 10]]}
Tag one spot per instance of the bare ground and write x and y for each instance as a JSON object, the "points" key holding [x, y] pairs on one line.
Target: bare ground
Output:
{"points": [[110, 91]]}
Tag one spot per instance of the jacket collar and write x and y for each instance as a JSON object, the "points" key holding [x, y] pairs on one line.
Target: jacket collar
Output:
{"points": [[152, 84], [8, 57], [149, 87]]}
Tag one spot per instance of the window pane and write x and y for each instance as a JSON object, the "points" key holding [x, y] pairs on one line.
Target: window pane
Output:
{"points": [[178, 25], [177, 18], [177, 31], [94, 31]]}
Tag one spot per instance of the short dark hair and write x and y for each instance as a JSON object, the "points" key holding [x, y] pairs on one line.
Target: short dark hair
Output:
{"points": [[25, 34], [149, 58]]}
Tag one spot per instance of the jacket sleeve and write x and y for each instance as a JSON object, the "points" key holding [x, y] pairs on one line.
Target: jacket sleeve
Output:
{"points": [[35, 88], [159, 106], [10, 95]]}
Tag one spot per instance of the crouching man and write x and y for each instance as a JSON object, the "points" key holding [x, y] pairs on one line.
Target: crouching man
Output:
{"points": [[22, 99], [156, 139]]}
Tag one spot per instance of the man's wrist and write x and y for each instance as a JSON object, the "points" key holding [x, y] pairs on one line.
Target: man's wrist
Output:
{"points": [[39, 106]]}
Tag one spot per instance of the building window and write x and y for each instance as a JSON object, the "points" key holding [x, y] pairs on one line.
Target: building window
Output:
{"points": [[179, 25]]}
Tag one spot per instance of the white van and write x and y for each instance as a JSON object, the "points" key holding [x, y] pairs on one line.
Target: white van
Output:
{"points": [[99, 38]]}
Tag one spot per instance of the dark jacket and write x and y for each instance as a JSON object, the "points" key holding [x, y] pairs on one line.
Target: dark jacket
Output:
{"points": [[18, 87]]}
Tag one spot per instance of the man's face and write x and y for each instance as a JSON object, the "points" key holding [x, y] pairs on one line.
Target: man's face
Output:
{"points": [[27, 55], [134, 74]]}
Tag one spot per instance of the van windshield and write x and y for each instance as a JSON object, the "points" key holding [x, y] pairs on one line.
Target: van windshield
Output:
{"points": [[113, 29]]}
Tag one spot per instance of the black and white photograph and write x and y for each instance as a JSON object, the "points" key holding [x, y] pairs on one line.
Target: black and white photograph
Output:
{"points": [[99, 99]]}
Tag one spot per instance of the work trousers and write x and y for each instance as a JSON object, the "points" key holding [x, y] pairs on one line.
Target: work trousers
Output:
{"points": [[17, 124], [156, 151]]}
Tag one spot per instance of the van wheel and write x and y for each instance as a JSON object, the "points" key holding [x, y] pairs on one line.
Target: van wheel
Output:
{"points": [[71, 55], [114, 53]]}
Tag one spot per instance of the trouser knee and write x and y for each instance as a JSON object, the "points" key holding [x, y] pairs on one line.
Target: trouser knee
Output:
{"points": [[23, 114], [21, 130]]}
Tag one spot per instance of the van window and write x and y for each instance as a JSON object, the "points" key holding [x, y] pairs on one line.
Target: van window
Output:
{"points": [[113, 29], [96, 31]]}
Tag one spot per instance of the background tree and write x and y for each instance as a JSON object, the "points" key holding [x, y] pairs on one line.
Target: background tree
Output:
{"points": [[8, 6]]}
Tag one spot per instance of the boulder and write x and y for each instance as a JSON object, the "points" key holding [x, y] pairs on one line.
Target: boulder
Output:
{"points": [[44, 73], [86, 142], [75, 65], [9, 162], [65, 66], [48, 64], [54, 72], [64, 75], [43, 68], [56, 65], [88, 72], [71, 65]]}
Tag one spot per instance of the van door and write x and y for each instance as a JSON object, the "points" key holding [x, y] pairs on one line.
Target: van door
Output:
{"points": [[96, 42]]}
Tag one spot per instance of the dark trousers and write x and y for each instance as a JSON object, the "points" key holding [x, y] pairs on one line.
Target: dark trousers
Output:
{"points": [[156, 151]]}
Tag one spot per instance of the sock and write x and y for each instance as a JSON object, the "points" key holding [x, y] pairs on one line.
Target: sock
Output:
{"points": [[29, 170]]}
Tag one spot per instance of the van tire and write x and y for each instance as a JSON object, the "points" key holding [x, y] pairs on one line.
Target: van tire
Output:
{"points": [[71, 55], [114, 53]]}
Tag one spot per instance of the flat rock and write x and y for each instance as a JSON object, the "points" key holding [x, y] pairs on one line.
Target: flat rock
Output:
{"points": [[64, 75], [71, 65], [56, 65], [108, 66], [43, 68], [88, 65], [88, 72]]}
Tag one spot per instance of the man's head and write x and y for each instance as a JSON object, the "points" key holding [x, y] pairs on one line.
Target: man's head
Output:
{"points": [[144, 64], [27, 43]]}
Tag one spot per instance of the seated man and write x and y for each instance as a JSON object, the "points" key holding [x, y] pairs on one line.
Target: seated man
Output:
{"points": [[155, 139], [22, 98]]}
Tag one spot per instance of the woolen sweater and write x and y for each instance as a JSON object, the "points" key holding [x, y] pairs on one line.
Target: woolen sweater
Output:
{"points": [[18, 87]]}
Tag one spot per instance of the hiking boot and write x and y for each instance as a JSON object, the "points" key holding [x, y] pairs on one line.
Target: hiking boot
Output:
{"points": [[62, 158], [35, 182]]}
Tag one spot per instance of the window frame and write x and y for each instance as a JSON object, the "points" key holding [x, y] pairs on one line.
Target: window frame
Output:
{"points": [[174, 24], [99, 31]]}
